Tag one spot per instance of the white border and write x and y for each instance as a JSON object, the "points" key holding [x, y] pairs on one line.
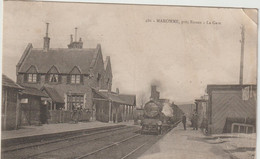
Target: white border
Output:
{"points": [[205, 3]]}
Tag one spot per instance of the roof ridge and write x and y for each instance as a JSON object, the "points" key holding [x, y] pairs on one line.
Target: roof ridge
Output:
{"points": [[65, 49], [128, 94], [26, 52]]}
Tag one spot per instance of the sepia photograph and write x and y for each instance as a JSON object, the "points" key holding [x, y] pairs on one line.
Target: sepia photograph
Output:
{"points": [[128, 81]]}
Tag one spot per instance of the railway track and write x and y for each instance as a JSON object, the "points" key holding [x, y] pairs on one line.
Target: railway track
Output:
{"points": [[118, 143], [24, 146], [38, 145]]}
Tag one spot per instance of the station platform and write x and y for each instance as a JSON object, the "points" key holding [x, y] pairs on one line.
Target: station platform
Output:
{"points": [[193, 144], [55, 130]]}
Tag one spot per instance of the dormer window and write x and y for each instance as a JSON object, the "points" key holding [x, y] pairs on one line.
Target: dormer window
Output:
{"points": [[75, 76], [32, 75], [54, 78], [75, 79], [32, 78]]}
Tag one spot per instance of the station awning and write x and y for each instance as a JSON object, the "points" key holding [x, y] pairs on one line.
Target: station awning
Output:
{"points": [[54, 95], [108, 96]]}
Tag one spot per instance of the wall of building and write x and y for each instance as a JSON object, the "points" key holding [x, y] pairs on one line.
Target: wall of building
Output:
{"points": [[30, 112], [61, 116], [107, 76], [102, 110], [63, 87], [229, 103], [9, 104]]}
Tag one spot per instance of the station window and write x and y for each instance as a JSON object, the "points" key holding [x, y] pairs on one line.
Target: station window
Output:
{"points": [[54, 78], [32, 78], [75, 79], [75, 101]]}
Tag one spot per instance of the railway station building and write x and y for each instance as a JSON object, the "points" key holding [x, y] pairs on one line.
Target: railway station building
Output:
{"points": [[69, 76]]}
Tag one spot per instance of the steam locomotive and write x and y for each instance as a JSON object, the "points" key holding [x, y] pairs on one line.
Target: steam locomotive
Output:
{"points": [[155, 120], [152, 118]]}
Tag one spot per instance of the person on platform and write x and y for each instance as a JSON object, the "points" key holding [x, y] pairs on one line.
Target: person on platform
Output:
{"points": [[184, 121], [195, 120]]}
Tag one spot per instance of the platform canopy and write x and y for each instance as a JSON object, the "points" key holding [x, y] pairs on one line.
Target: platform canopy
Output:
{"points": [[109, 96]]}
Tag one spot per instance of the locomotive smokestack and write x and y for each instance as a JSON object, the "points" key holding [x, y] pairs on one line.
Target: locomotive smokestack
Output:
{"points": [[155, 95]]}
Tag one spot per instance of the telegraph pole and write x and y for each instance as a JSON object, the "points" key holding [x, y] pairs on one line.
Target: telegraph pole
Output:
{"points": [[242, 41]]}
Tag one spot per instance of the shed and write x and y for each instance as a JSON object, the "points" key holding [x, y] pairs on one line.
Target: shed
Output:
{"points": [[230, 104], [10, 103], [31, 106]]}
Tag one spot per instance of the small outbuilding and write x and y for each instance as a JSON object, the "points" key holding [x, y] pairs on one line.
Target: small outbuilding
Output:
{"points": [[231, 108], [10, 103], [33, 110]]}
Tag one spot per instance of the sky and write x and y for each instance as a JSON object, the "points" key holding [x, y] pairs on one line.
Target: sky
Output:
{"points": [[182, 58]]}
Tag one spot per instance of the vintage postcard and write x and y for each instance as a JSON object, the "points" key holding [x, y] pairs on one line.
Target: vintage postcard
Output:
{"points": [[114, 81]]}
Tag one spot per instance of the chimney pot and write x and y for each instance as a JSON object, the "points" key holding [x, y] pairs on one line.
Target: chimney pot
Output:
{"points": [[75, 44], [46, 39]]}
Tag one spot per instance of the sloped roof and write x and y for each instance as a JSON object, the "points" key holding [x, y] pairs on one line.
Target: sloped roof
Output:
{"points": [[211, 87], [107, 62], [110, 96], [7, 82], [53, 94], [64, 59], [33, 91], [129, 99], [118, 98]]}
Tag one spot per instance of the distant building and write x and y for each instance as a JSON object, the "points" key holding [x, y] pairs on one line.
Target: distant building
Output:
{"points": [[188, 109], [201, 110], [231, 108]]}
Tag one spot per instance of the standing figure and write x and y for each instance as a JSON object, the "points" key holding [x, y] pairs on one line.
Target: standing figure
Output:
{"points": [[196, 118], [192, 121], [74, 113], [184, 121]]}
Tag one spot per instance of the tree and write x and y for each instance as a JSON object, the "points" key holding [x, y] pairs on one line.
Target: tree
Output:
{"points": [[143, 99]]}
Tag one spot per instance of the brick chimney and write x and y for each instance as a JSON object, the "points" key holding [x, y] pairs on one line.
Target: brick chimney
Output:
{"points": [[75, 44], [46, 39]]}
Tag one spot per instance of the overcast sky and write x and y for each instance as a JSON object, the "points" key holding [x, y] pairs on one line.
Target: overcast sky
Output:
{"points": [[181, 58]]}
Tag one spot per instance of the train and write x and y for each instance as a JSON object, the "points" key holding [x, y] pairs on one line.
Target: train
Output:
{"points": [[159, 116]]}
